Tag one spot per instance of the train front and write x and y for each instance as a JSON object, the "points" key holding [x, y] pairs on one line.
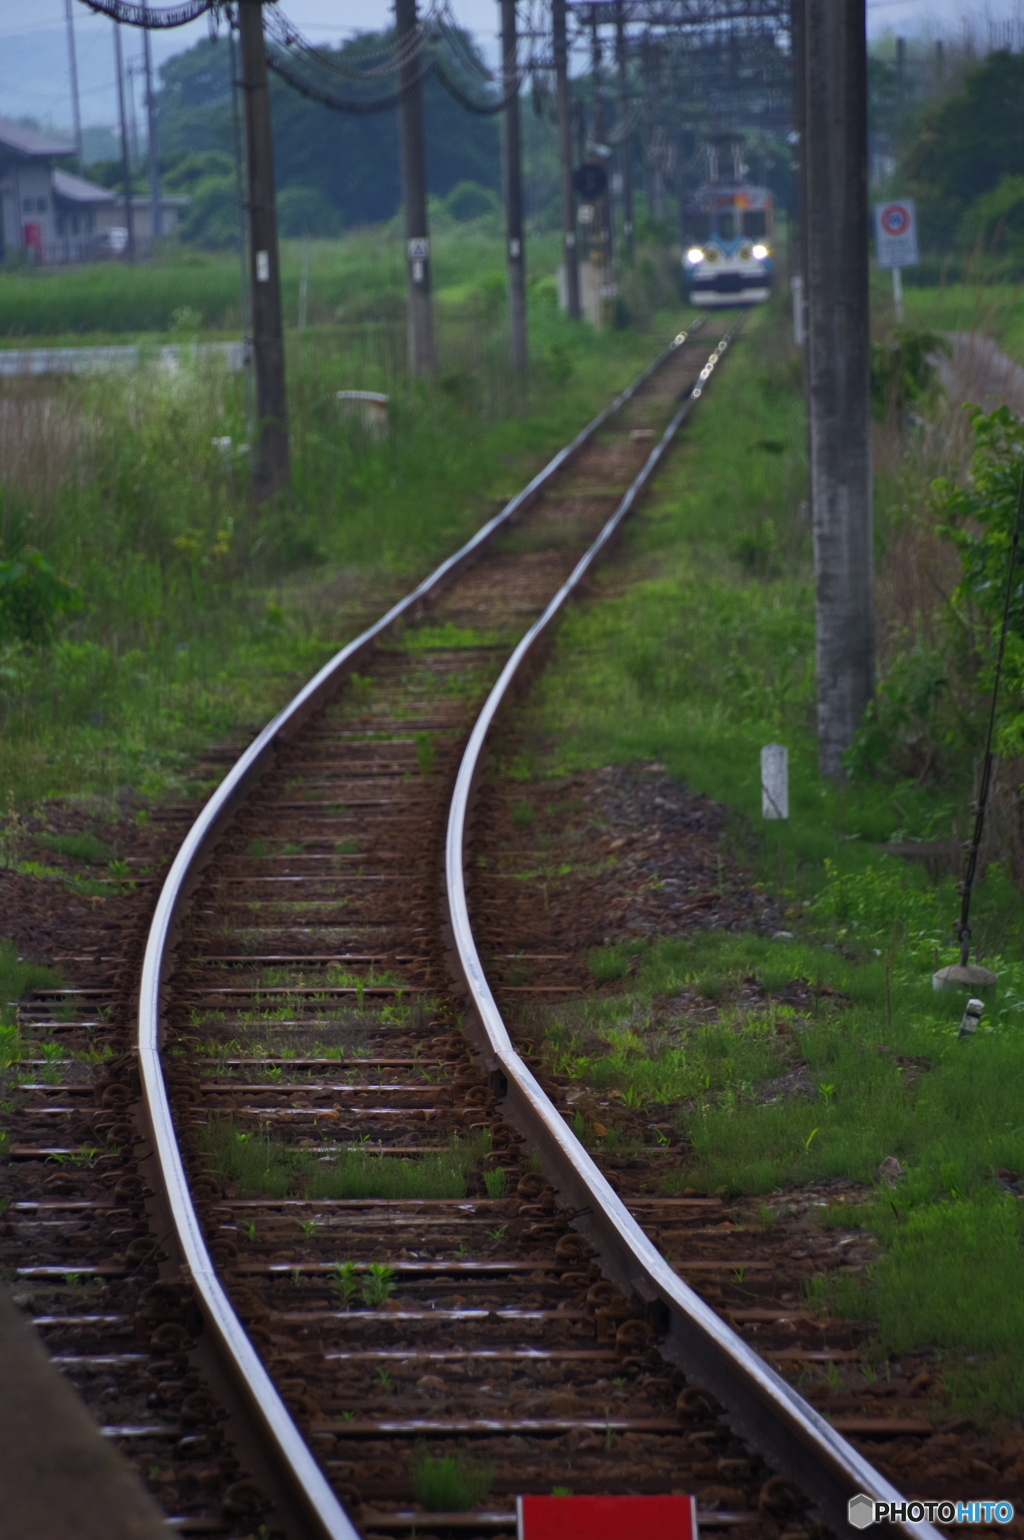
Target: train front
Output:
{"points": [[728, 257]]}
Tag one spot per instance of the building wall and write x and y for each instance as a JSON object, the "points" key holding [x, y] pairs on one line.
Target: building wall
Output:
{"points": [[28, 213]]}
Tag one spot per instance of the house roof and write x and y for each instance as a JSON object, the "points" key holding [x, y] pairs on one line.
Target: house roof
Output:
{"points": [[75, 189], [19, 140]]}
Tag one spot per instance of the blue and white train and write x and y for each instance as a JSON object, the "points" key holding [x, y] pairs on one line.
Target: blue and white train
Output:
{"points": [[728, 230]]}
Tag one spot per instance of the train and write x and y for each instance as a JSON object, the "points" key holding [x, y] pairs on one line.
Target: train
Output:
{"points": [[728, 229]]}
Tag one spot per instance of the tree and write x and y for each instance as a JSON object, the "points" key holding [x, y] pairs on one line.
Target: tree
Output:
{"points": [[967, 145], [350, 159]]}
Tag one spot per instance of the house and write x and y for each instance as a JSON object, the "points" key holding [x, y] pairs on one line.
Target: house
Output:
{"points": [[81, 210], [111, 219], [55, 216], [27, 215]]}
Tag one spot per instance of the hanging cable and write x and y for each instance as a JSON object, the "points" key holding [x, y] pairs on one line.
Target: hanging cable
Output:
{"points": [[132, 15], [286, 66], [287, 35]]}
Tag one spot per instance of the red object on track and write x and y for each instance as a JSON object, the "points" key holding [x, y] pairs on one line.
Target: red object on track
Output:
{"points": [[607, 1518]]}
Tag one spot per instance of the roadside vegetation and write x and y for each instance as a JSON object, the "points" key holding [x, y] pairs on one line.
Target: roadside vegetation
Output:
{"points": [[824, 1052], [146, 609]]}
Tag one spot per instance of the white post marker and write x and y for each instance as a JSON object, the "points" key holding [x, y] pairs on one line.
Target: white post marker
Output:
{"points": [[896, 242], [796, 283], [774, 781]]}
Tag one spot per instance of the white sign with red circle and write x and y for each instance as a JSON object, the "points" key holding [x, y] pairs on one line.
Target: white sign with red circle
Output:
{"points": [[896, 233]]}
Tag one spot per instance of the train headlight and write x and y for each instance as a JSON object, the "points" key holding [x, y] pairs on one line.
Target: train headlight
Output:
{"points": [[745, 253], [760, 252], [695, 255]]}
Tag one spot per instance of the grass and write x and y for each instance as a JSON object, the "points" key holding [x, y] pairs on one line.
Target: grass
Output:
{"points": [[199, 616], [356, 279], [449, 1483], [84, 846], [258, 1163], [695, 651]]}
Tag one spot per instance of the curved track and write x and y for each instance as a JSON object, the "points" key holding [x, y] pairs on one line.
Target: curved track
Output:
{"points": [[375, 1244]]}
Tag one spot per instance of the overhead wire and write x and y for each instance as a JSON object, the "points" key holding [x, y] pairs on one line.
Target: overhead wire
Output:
{"points": [[307, 68], [152, 19]]}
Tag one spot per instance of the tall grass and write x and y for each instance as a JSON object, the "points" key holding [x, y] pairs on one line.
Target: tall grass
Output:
{"points": [[200, 613]]}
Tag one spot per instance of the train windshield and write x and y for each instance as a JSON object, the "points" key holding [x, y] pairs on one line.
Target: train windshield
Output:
{"points": [[700, 226], [726, 224], [755, 223]]}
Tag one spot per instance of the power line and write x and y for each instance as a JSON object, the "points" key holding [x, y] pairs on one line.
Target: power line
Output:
{"points": [[141, 15]]}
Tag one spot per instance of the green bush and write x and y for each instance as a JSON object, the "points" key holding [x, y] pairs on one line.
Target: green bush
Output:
{"points": [[468, 200], [32, 597], [902, 370], [978, 519], [304, 211], [211, 219]]}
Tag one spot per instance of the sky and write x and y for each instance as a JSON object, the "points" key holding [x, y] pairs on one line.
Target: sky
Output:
{"points": [[34, 54]]}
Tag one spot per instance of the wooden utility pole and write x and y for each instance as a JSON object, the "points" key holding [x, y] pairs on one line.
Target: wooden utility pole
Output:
{"points": [[516, 255], [626, 146], [156, 211], [126, 160], [838, 369], [559, 33], [271, 466], [422, 352]]}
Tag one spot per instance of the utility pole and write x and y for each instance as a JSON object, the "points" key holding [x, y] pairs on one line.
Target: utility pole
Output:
{"points": [[156, 212], [129, 210], [559, 33], [76, 110], [422, 352], [513, 193], [603, 205], [838, 369], [798, 248], [626, 146], [271, 468]]}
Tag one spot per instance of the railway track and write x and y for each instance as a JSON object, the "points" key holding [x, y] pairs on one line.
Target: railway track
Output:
{"points": [[318, 1247]]}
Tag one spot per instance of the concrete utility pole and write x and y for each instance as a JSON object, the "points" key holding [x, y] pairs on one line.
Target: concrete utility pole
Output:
{"points": [[514, 194], [626, 147], [271, 466], [156, 212], [126, 160], [798, 247], [561, 52], [76, 110], [603, 206], [422, 352], [838, 369]]}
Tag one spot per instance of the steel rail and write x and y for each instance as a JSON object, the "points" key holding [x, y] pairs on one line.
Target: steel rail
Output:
{"points": [[296, 1472], [763, 1408]]}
